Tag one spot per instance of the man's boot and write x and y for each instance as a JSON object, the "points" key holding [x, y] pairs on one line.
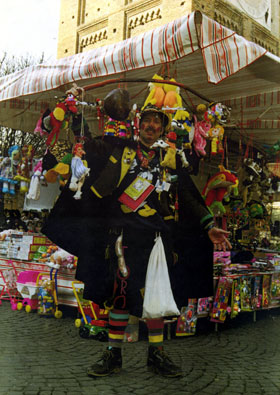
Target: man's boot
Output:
{"points": [[160, 363], [110, 362]]}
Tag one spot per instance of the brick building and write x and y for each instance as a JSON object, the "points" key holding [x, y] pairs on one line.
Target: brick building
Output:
{"points": [[88, 24]]}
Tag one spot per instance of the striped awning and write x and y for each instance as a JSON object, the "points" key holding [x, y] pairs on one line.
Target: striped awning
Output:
{"points": [[215, 62]]}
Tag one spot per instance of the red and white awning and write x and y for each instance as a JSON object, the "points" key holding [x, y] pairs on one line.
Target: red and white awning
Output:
{"points": [[197, 51]]}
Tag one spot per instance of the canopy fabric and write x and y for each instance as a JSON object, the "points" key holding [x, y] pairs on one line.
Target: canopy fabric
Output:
{"points": [[199, 52]]}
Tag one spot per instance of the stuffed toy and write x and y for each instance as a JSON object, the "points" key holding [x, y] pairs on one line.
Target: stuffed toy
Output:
{"points": [[61, 171], [170, 155], [79, 171], [201, 131], [217, 113], [61, 258], [216, 189], [172, 100], [216, 134], [182, 126], [5, 233], [52, 122], [156, 95], [34, 186], [8, 170], [24, 168]]}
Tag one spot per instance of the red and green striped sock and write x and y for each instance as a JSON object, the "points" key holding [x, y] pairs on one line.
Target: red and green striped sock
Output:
{"points": [[117, 323]]}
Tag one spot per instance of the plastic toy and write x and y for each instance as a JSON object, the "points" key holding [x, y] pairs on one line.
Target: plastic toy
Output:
{"points": [[28, 288], [9, 288], [93, 322]]}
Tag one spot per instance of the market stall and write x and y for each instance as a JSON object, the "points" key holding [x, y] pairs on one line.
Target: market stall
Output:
{"points": [[210, 66]]}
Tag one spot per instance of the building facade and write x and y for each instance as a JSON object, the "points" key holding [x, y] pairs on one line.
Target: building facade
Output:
{"points": [[88, 24]]}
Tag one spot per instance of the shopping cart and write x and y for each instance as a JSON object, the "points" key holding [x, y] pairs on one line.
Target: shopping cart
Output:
{"points": [[94, 321], [9, 287]]}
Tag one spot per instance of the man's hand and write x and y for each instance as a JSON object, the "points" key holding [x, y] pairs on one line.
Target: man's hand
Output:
{"points": [[219, 239]]}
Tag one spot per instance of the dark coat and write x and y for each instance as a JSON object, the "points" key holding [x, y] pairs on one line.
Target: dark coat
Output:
{"points": [[81, 228]]}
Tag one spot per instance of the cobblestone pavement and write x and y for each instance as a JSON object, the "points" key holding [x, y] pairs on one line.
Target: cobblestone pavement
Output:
{"points": [[40, 355]]}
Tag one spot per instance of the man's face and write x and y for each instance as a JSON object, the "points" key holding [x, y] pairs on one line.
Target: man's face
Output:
{"points": [[150, 128]]}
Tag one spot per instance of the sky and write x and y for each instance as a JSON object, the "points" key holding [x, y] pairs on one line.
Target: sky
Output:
{"points": [[29, 27]]}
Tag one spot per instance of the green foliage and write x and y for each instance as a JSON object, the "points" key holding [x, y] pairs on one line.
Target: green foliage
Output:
{"points": [[9, 137]]}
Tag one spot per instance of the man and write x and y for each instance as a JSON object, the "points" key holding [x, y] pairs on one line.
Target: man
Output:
{"points": [[137, 227], [138, 230]]}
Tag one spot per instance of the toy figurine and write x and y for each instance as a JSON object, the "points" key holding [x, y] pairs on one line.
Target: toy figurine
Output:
{"points": [[79, 171]]}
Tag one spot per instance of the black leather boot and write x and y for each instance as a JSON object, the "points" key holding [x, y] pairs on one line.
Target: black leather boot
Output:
{"points": [[109, 363], [160, 363]]}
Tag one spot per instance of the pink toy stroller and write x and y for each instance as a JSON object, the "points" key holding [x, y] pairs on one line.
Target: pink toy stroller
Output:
{"points": [[28, 288], [9, 288]]}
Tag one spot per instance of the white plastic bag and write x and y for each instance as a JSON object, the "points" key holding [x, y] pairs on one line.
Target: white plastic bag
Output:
{"points": [[158, 297]]}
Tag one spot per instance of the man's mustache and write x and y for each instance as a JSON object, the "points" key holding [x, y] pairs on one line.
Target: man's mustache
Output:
{"points": [[150, 129]]}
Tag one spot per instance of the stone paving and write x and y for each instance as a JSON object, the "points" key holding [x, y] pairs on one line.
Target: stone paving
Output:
{"points": [[46, 356]]}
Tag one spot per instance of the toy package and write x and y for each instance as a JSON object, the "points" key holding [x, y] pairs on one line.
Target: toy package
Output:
{"points": [[256, 300], [186, 323], [275, 289], [266, 290], [220, 304], [235, 298], [204, 306], [245, 293], [47, 295]]}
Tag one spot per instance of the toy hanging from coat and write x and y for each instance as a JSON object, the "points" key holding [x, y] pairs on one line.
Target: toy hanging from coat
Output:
{"points": [[52, 122], [182, 126], [79, 171]]}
